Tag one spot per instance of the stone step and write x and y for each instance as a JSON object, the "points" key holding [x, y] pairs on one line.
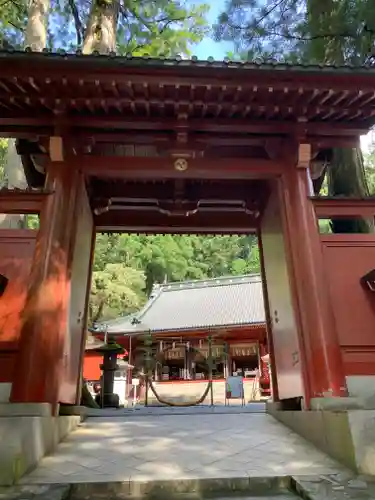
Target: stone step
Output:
{"points": [[275, 488], [326, 487], [183, 489]]}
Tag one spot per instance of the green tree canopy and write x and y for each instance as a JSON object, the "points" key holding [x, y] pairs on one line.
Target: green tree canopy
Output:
{"points": [[115, 290], [160, 258]]}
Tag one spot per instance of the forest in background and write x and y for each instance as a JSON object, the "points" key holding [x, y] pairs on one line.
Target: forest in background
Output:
{"points": [[298, 31], [127, 266]]}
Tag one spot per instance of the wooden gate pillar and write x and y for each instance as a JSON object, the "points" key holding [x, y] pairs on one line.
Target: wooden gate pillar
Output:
{"points": [[45, 318], [320, 340]]}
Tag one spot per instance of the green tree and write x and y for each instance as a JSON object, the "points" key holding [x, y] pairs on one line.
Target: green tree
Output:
{"points": [[330, 32], [3, 152], [115, 290], [163, 258], [369, 162]]}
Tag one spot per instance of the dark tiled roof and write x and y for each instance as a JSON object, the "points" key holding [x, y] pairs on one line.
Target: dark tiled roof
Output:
{"points": [[129, 60], [221, 302]]}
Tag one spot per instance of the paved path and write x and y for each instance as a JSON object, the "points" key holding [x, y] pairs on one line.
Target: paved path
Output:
{"points": [[145, 448]]}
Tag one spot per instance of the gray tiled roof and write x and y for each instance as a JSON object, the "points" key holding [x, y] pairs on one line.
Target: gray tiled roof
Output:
{"points": [[220, 302], [92, 343], [113, 325]]}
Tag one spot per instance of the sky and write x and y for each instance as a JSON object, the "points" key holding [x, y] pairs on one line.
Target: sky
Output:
{"points": [[208, 47], [368, 141]]}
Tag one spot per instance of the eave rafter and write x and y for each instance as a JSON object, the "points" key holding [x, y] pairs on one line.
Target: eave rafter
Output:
{"points": [[107, 105]]}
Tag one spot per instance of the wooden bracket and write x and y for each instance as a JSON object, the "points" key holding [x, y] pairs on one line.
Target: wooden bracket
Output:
{"points": [[304, 155], [56, 148]]}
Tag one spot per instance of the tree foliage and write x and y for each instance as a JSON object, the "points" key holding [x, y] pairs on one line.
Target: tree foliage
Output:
{"points": [[3, 152], [369, 162], [311, 31], [127, 266], [116, 289], [154, 27], [335, 32]]}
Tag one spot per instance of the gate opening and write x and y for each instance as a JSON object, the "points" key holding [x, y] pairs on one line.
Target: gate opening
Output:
{"points": [[186, 339]]}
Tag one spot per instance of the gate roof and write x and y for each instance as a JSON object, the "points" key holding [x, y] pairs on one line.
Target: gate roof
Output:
{"points": [[98, 93], [127, 123]]}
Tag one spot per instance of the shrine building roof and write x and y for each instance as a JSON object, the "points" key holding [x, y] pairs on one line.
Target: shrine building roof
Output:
{"points": [[197, 305]]}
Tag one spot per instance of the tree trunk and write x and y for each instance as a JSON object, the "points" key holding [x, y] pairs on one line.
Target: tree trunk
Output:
{"points": [[346, 177], [36, 40], [96, 316], [36, 29], [15, 178], [101, 28]]}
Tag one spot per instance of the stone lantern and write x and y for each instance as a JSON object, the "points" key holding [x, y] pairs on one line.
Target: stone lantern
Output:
{"points": [[107, 398]]}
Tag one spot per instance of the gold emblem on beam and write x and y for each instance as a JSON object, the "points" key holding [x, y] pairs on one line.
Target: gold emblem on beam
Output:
{"points": [[181, 164]]}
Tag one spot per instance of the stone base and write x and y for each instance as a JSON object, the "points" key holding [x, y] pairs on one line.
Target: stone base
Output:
{"points": [[336, 404], [25, 410], [5, 390], [24, 440], [71, 410], [346, 435], [110, 400]]}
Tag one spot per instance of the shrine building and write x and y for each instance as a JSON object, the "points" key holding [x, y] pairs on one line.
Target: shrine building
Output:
{"points": [[180, 317]]}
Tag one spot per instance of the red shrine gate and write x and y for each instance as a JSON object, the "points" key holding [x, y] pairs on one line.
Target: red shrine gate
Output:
{"points": [[141, 145]]}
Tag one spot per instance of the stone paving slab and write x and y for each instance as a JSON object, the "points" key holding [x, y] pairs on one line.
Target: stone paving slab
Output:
{"points": [[181, 447]]}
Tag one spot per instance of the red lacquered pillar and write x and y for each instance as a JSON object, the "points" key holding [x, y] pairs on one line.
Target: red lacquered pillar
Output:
{"points": [[323, 355], [45, 316]]}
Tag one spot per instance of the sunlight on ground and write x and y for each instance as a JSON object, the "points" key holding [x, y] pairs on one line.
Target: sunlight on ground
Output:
{"points": [[180, 447]]}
